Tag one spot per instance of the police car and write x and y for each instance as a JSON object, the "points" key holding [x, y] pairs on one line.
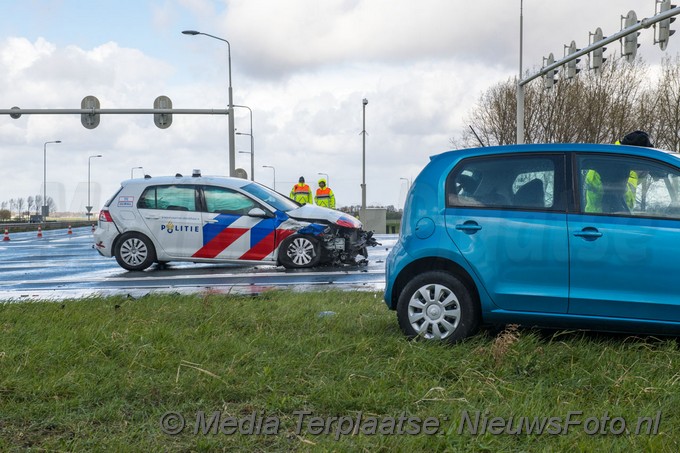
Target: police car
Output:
{"points": [[217, 219]]}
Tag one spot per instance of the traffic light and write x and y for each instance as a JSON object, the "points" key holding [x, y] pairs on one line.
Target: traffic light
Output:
{"points": [[549, 77], [630, 44], [572, 70], [90, 120], [162, 120], [663, 28], [597, 57]]}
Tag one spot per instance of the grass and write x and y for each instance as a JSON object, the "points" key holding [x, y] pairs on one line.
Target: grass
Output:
{"points": [[98, 374]]}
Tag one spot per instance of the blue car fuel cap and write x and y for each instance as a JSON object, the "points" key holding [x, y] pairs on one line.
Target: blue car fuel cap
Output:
{"points": [[424, 228]]}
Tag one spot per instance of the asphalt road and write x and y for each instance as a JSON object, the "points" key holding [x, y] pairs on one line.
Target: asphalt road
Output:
{"points": [[61, 266]]}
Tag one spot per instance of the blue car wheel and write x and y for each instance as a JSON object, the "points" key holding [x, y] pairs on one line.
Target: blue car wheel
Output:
{"points": [[437, 306]]}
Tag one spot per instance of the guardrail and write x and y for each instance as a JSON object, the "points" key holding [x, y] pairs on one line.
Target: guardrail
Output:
{"points": [[19, 227]]}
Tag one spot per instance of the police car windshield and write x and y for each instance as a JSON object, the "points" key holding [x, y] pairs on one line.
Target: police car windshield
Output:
{"points": [[274, 199]]}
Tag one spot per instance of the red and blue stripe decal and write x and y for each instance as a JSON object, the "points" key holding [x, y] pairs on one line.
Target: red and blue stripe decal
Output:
{"points": [[265, 236]]}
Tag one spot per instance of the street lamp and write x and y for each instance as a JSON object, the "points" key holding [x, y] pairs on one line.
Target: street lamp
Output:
{"points": [[232, 152], [328, 184], [46, 207], [363, 165], [252, 142], [251, 159], [135, 168], [269, 166], [408, 183], [89, 205]]}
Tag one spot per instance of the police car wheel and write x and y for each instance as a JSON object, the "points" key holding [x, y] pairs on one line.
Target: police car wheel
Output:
{"points": [[299, 251], [135, 252]]}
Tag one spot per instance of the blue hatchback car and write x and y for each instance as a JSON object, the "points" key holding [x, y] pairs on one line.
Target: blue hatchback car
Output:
{"points": [[557, 235]]}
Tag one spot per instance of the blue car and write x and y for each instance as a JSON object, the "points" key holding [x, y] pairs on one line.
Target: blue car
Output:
{"points": [[560, 235]]}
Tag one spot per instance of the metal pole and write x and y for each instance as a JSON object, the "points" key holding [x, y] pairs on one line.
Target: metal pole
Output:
{"points": [[274, 169], [252, 142], [520, 114], [363, 164], [252, 161], [520, 88], [232, 146], [89, 205], [43, 213], [45, 208]]}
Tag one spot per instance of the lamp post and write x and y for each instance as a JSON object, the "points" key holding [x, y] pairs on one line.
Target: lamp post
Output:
{"points": [[135, 168], [251, 159], [89, 205], [363, 165], [232, 152], [269, 166], [252, 154], [252, 142], [408, 183], [46, 207], [328, 184]]}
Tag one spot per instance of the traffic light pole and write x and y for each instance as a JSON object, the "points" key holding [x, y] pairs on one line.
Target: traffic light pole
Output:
{"points": [[17, 112], [644, 23]]}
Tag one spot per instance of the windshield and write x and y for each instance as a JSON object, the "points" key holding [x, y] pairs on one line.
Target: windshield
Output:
{"points": [[270, 197]]}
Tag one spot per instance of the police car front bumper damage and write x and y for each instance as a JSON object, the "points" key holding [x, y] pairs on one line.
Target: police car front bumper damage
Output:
{"points": [[345, 245]]}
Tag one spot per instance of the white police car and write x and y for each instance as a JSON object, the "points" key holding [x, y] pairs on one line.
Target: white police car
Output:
{"points": [[219, 219]]}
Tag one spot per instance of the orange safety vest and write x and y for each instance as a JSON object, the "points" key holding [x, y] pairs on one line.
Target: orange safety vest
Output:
{"points": [[301, 193], [325, 197]]}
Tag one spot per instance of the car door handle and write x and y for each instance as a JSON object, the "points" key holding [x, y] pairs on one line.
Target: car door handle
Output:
{"points": [[211, 221], [469, 227], [152, 217], [588, 233]]}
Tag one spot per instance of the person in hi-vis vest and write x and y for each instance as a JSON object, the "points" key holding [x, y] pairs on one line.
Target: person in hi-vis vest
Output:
{"points": [[324, 195], [593, 181], [301, 192]]}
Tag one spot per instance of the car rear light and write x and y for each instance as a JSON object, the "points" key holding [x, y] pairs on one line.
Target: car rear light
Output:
{"points": [[105, 216]]}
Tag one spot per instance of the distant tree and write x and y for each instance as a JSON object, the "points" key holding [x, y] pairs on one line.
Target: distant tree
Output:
{"points": [[21, 203], [667, 103], [5, 214], [29, 203], [38, 203], [393, 214]]}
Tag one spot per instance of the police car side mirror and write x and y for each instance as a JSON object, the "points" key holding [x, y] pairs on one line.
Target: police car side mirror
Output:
{"points": [[258, 212]]}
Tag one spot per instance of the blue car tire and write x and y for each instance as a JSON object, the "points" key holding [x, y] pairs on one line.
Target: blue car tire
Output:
{"points": [[437, 306]]}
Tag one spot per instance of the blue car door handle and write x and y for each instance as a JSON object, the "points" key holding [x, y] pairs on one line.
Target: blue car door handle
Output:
{"points": [[588, 233], [469, 227]]}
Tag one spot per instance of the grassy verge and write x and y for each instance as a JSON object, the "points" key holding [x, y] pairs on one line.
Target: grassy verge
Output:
{"points": [[99, 374]]}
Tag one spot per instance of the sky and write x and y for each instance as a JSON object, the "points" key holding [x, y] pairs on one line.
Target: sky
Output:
{"points": [[302, 66]]}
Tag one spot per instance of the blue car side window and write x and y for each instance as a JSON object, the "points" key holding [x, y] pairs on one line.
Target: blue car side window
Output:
{"points": [[512, 182], [628, 186]]}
